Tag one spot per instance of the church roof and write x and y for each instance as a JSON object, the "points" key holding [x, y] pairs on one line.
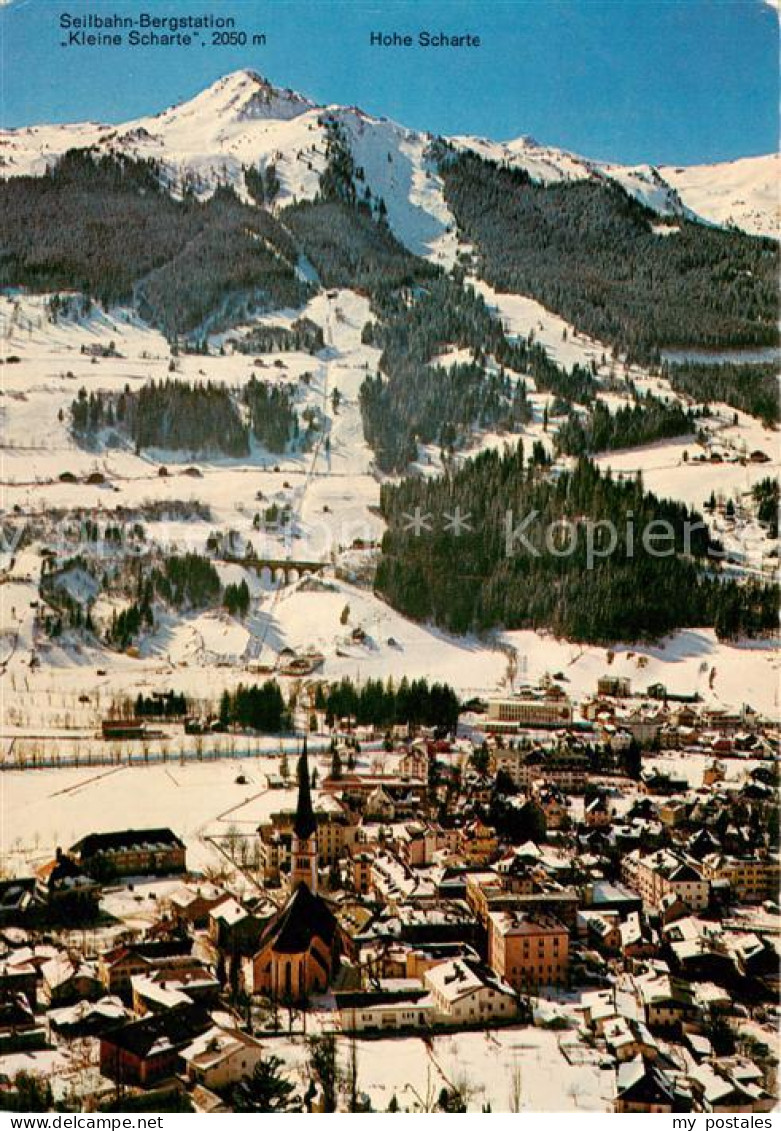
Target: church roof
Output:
{"points": [[304, 917], [305, 824]]}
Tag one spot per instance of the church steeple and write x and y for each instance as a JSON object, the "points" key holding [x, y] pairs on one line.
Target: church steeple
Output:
{"points": [[305, 824], [303, 863]]}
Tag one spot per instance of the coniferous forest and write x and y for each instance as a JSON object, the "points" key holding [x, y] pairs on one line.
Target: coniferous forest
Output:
{"points": [[413, 400], [259, 707], [750, 388], [628, 427], [589, 251], [121, 237], [468, 577], [374, 703], [180, 416]]}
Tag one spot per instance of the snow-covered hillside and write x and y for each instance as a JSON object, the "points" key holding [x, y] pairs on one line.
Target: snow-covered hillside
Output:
{"points": [[743, 193], [333, 494], [241, 120]]}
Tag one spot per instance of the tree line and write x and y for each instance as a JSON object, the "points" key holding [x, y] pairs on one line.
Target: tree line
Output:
{"points": [[374, 703], [161, 705], [630, 426], [750, 388], [257, 707], [121, 237], [304, 335]]}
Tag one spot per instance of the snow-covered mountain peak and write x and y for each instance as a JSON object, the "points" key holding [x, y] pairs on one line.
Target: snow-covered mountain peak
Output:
{"points": [[238, 97]]}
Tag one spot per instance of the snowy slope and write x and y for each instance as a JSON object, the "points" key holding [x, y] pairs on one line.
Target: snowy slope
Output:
{"points": [[543, 163], [744, 193], [242, 120]]}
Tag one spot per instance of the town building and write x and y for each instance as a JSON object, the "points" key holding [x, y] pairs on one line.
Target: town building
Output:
{"points": [[662, 873], [146, 1051], [466, 992], [509, 716], [220, 1057], [131, 852], [528, 950]]}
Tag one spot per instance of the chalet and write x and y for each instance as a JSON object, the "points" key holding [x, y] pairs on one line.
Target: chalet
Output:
{"points": [[663, 783], [636, 938], [414, 764], [465, 992], [597, 812], [174, 983], [190, 906], [478, 843], [668, 1003], [644, 1088], [601, 930], [118, 966], [717, 1090], [65, 980], [379, 805], [628, 1039], [221, 1057], [87, 1018], [554, 805], [233, 927]]}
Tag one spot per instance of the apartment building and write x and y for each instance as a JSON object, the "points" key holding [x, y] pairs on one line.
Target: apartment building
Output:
{"points": [[663, 873], [528, 950]]}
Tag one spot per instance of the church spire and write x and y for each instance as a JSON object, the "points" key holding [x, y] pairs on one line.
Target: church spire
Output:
{"points": [[305, 824]]}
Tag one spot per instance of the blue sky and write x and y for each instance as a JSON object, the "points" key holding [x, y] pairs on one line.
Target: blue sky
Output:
{"points": [[667, 81]]}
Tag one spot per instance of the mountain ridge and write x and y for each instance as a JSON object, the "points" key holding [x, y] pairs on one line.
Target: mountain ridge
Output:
{"points": [[243, 120]]}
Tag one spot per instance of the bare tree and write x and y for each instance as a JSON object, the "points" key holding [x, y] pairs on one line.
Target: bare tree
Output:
{"points": [[516, 1087]]}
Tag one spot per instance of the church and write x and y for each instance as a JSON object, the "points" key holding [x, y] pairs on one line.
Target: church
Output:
{"points": [[302, 944]]}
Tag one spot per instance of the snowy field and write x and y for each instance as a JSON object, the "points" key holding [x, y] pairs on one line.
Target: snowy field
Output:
{"points": [[483, 1065], [44, 809]]}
